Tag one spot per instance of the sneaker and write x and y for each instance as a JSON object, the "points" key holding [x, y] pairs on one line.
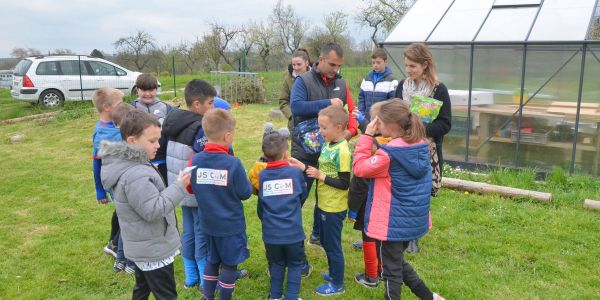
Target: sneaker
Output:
{"points": [[110, 249], [119, 266], [329, 289], [413, 247], [357, 245], [314, 241], [326, 277], [243, 273], [130, 269], [307, 270], [280, 298], [366, 281], [437, 297], [190, 286]]}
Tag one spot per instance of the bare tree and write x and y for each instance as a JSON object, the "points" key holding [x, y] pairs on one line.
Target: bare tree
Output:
{"points": [[192, 53], [382, 15], [63, 51], [97, 53], [211, 43], [226, 36], [336, 24], [289, 27], [136, 48], [24, 52], [265, 42]]}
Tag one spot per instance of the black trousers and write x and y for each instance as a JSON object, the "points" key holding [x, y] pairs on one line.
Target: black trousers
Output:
{"points": [[397, 271], [161, 282]]}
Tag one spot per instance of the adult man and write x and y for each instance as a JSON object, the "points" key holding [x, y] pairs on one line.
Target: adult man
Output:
{"points": [[314, 90]]}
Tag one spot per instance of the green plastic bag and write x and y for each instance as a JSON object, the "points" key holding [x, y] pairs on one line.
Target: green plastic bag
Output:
{"points": [[427, 108]]}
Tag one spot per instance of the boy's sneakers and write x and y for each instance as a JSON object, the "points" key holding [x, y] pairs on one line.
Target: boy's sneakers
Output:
{"points": [[110, 249], [329, 289], [190, 286], [130, 269], [119, 266], [243, 273], [366, 281], [314, 240], [437, 297], [413, 247], [306, 270], [357, 245]]}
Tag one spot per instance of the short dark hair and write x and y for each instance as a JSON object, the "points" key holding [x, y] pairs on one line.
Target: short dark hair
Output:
{"points": [[198, 90], [330, 46], [135, 122], [379, 53], [274, 146], [146, 82]]}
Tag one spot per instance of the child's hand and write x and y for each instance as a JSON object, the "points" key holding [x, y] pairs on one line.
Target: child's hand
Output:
{"points": [[184, 178], [315, 173], [296, 163], [103, 201], [372, 128]]}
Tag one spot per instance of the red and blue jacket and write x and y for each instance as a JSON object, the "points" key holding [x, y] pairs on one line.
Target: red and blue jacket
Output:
{"points": [[220, 184], [104, 131], [397, 207]]}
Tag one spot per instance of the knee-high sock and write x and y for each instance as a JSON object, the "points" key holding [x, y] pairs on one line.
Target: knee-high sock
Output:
{"points": [[201, 264], [227, 280], [191, 271], [211, 275], [370, 257]]}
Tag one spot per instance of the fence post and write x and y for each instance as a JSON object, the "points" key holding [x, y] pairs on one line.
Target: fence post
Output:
{"points": [[80, 79], [173, 72]]}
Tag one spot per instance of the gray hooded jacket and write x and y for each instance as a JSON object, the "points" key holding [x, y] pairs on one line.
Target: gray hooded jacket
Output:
{"points": [[144, 206]]}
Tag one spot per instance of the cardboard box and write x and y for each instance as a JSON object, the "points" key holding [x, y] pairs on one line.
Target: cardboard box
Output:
{"points": [[461, 97]]}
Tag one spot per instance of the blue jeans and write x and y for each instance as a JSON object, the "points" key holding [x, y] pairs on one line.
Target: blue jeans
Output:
{"points": [[121, 252], [309, 183], [331, 239], [280, 257], [193, 241]]}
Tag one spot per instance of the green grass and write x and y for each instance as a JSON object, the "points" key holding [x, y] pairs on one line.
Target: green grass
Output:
{"points": [[481, 247]]}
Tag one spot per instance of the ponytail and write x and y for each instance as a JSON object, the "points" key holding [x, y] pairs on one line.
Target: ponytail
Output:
{"points": [[414, 131]]}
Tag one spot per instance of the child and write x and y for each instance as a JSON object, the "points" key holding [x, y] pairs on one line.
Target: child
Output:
{"points": [[282, 192], [378, 85], [220, 184], [105, 101], [397, 210], [144, 206], [333, 175], [183, 131]]}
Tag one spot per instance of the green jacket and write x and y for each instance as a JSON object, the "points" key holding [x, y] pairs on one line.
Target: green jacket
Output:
{"points": [[284, 98]]}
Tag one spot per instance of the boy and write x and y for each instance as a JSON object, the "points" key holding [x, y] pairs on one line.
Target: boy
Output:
{"points": [[220, 184], [183, 131], [333, 175], [105, 100], [282, 192], [378, 85], [145, 207]]}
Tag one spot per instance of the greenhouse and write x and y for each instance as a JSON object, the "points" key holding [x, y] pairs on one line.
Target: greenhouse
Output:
{"points": [[523, 75]]}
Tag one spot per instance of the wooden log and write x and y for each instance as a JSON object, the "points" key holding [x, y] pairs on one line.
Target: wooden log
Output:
{"points": [[31, 117], [485, 188], [591, 204]]}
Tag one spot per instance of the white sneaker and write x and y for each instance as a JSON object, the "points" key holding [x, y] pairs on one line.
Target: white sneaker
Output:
{"points": [[437, 297]]}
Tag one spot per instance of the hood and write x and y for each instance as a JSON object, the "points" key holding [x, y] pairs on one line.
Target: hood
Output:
{"points": [[178, 120], [386, 72], [118, 157], [414, 158]]}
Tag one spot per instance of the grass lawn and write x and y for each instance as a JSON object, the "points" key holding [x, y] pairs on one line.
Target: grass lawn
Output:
{"points": [[481, 247]]}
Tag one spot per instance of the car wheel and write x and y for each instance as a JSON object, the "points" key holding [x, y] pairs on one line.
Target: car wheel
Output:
{"points": [[51, 99]]}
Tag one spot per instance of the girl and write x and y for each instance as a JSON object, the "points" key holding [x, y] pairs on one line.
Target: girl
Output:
{"points": [[397, 209]]}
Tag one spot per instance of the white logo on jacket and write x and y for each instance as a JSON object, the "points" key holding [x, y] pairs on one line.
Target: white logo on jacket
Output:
{"points": [[278, 187], [211, 176]]}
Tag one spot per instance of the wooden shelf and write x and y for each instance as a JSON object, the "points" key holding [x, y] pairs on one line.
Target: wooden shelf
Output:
{"points": [[563, 145]]}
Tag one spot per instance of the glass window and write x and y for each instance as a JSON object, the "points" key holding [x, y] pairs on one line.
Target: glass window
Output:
{"points": [[419, 21], [47, 68], [516, 2], [102, 69], [22, 67], [507, 24], [462, 21], [120, 72], [563, 20], [69, 67]]}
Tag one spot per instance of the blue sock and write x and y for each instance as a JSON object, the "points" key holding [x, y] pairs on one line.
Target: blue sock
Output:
{"points": [[191, 273], [227, 280], [201, 264], [211, 275]]}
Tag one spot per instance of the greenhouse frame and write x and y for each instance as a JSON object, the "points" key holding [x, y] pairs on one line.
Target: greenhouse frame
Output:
{"points": [[523, 78]]}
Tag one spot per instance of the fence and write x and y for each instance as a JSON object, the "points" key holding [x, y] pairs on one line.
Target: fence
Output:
{"points": [[241, 87], [6, 78]]}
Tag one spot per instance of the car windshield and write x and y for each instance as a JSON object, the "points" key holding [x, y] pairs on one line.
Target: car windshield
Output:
{"points": [[22, 67]]}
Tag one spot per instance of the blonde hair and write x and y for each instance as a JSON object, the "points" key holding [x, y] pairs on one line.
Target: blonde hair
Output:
{"points": [[216, 122], [375, 108], [106, 96], [118, 114], [409, 124], [336, 114], [419, 53]]}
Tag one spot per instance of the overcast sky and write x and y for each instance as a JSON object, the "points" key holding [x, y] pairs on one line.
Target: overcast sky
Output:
{"points": [[84, 25]]}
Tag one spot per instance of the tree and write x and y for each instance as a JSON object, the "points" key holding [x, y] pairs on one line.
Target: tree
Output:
{"points": [[265, 42], [289, 27], [20, 53], [136, 48], [210, 48], [63, 51], [382, 15], [97, 53], [191, 53], [336, 24], [225, 36]]}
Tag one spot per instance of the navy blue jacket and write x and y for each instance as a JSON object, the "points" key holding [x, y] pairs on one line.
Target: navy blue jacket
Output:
{"points": [[220, 184], [373, 90], [282, 191]]}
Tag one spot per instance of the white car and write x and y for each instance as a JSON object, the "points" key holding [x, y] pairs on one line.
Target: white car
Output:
{"points": [[50, 80]]}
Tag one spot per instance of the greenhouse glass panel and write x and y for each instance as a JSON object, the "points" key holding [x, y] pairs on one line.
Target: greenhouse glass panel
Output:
{"points": [[496, 73], [587, 155], [462, 21], [561, 20], [507, 24], [419, 21], [594, 33], [516, 2]]}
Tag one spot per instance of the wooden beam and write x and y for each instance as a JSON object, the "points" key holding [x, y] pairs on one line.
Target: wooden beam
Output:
{"points": [[485, 188]]}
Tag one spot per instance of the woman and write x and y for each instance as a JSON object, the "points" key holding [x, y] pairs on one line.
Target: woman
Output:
{"points": [[300, 64], [422, 81]]}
